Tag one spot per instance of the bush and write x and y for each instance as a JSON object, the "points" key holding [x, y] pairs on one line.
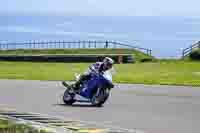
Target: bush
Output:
{"points": [[146, 60], [195, 55]]}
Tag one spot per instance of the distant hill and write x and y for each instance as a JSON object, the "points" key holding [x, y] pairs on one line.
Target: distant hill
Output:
{"points": [[138, 55]]}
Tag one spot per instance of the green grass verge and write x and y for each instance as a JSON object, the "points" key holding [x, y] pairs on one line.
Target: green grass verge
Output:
{"points": [[137, 54], [7, 126], [164, 72], [5, 123]]}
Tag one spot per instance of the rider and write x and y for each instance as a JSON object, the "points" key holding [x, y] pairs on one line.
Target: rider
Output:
{"points": [[98, 67]]}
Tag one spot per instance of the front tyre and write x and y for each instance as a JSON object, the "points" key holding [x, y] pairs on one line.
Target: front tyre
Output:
{"points": [[68, 98], [99, 99]]}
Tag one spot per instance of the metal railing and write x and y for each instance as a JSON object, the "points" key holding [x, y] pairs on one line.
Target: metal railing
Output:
{"points": [[188, 50], [69, 44]]}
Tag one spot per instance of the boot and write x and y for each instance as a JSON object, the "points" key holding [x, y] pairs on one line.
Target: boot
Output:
{"points": [[65, 84], [69, 87], [76, 86]]}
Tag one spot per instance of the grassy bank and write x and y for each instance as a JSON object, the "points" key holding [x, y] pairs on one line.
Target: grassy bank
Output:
{"points": [[137, 54], [7, 126], [161, 72]]}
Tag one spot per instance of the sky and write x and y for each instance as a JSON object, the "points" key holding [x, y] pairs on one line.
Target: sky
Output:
{"points": [[103, 7], [177, 31]]}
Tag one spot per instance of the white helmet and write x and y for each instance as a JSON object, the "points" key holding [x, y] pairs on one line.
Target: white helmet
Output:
{"points": [[108, 62]]}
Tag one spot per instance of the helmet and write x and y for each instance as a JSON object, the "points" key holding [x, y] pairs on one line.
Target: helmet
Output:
{"points": [[108, 63]]}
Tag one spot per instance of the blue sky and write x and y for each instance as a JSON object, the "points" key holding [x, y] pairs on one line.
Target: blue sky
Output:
{"points": [[103, 7], [166, 34]]}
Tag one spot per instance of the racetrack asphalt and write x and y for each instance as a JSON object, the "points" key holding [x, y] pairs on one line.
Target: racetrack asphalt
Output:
{"points": [[149, 108]]}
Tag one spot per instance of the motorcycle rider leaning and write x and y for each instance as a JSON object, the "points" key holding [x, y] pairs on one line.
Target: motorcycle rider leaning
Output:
{"points": [[98, 67]]}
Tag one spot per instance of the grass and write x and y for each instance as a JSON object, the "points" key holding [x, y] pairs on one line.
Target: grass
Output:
{"points": [[4, 123], [163, 72], [7, 126], [137, 54]]}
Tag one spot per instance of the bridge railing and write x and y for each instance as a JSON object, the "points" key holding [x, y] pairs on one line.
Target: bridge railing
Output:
{"points": [[69, 44], [188, 50]]}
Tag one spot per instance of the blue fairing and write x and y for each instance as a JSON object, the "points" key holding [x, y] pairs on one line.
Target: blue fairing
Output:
{"points": [[96, 81]]}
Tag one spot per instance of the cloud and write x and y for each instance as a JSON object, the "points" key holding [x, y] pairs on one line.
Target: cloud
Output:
{"points": [[36, 30], [103, 7]]}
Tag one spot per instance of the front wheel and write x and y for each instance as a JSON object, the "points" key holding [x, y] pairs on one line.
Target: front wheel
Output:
{"points": [[100, 98], [68, 98]]}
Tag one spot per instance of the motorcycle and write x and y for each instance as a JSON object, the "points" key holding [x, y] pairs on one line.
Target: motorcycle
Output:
{"points": [[96, 90]]}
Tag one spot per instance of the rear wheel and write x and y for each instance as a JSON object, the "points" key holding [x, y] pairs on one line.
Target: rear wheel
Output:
{"points": [[68, 98]]}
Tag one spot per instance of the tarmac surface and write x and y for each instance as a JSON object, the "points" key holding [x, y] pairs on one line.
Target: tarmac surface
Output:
{"points": [[149, 108]]}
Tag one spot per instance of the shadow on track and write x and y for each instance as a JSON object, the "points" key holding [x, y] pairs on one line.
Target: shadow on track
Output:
{"points": [[78, 105]]}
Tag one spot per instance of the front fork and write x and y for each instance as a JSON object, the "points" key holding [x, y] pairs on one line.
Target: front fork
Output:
{"points": [[98, 91], [107, 90]]}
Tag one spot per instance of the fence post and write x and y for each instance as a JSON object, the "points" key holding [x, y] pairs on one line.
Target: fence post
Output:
{"points": [[147, 51], [83, 44], [120, 59], [1, 46], [106, 45], [79, 44], [33, 44], [183, 53], [190, 48], [89, 44], [95, 44]]}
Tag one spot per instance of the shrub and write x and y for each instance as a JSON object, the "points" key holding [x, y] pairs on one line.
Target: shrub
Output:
{"points": [[146, 60], [195, 55]]}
